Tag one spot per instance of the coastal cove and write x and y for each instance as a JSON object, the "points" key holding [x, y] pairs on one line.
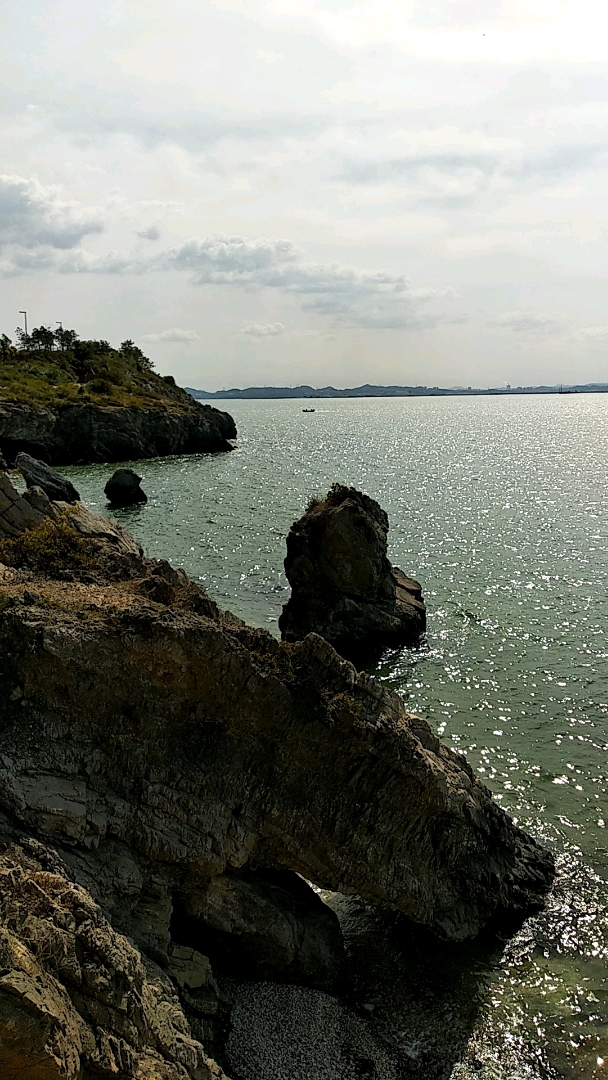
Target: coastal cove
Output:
{"points": [[498, 507]]}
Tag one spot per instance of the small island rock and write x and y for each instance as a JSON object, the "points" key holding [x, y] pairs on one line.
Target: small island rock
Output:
{"points": [[122, 489], [343, 586], [38, 474]]}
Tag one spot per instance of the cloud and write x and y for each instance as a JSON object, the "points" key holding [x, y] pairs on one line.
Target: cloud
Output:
{"points": [[456, 173], [262, 330], [195, 135], [152, 232], [170, 336], [350, 297], [529, 322], [592, 333], [33, 216]]}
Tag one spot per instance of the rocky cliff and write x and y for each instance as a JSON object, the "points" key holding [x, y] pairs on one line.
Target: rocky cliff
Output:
{"points": [[188, 772], [73, 434]]}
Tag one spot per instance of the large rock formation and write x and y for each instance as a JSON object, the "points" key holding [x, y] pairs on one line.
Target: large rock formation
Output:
{"points": [[37, 474], [260, 754], [189, 772], [76, 434], [342, 585]]}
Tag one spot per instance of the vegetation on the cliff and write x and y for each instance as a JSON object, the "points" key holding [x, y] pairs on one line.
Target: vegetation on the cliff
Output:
{"points": [[50, 548], [57, 368]]}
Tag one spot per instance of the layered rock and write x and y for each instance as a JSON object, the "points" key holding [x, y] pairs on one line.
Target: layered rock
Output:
{"points": [[123, 488], [20, 512], [38, 474], [343, 586], [205, 747], [76, 434], [76, 998]]}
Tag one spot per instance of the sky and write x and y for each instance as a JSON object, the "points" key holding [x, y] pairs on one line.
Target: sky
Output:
{"points": [[275, 192]]}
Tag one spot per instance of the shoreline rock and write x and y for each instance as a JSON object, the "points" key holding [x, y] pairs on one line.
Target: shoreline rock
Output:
{"points": [[38, 474], [122, 489], [343, 586], [86, 434]]}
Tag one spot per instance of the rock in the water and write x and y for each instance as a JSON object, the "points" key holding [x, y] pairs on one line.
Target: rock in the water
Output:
{"points": [[122, 489], [343, 586], [37, 474]]}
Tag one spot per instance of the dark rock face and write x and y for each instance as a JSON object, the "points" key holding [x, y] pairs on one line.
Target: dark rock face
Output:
{"points": [[263, 924], [76, 998], [81, 434], [37, 474], [342, 585], [122, 489], [3, 465], [20, 512]]}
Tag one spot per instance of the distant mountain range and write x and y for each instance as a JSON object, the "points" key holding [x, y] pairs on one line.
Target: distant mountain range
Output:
{"points": [[369, 390]]}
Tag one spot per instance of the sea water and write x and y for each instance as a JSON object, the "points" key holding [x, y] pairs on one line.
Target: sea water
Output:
{"points": [[498, 506]]}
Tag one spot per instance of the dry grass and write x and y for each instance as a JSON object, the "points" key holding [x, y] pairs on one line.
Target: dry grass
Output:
{"points": [[52, 547]]}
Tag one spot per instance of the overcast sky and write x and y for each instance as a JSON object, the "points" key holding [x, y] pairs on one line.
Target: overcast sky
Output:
{"points": [[287, 191]]}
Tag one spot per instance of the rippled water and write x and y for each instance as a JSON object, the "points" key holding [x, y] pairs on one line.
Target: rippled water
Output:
{"points": [[498, 506]]}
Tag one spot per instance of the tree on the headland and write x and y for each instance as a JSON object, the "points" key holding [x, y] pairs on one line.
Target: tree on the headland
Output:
{"points": [[65, 339], [132, 351], [6, 347], [89, 360], [22, 338], [42, 339]]}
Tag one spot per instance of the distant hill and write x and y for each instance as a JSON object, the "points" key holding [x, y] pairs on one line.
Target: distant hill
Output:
{"points": [[369, 390]]}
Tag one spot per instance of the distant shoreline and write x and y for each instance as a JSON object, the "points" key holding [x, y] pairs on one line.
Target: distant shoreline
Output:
{"points": [[368, 390]]}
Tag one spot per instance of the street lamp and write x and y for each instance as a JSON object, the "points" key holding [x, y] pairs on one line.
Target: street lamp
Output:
{"points": [[24, 313]]}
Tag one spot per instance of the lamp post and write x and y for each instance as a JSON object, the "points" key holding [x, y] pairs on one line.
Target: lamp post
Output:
{"points": [[24, 313]]}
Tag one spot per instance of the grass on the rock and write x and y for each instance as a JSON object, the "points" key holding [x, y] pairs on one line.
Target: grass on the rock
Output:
{"points": [[53, 546]]}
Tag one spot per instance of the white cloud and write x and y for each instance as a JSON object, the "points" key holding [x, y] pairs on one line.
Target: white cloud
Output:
{"points": [[262, 330], [351, 297], [170, 336], [269, 57], [33, 216], [529, 322], [592, 333], [152, 232]]}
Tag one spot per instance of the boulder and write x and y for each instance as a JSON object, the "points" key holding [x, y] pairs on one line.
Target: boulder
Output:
{"points": [[122, 489], [21, 512], [37, 474], [343, 586]]}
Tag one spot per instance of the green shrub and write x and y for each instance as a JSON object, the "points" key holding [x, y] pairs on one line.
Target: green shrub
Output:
{"points": [[51, 547]]}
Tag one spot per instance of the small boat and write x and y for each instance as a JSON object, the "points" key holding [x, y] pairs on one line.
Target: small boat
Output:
{"points": [[308, 410]]}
